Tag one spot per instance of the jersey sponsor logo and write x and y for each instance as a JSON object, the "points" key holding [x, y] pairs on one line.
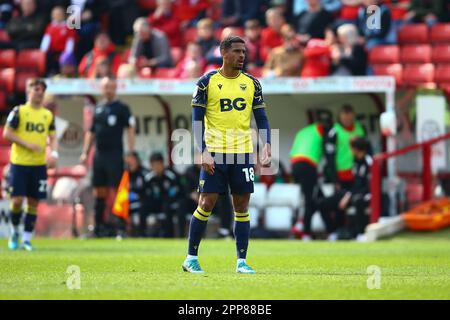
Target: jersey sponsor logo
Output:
{"points": [[31, 127], [228, 104]]}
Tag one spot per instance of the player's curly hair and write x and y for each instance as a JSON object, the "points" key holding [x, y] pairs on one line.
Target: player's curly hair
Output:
{"points": [[228, 42]]}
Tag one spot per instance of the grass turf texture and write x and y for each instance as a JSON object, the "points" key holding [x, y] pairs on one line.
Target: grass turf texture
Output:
{"points": [[413, 266]]}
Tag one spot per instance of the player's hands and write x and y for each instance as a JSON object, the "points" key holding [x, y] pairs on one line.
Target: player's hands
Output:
{"points": [[266, 159], [34, 147], [208, 163]]}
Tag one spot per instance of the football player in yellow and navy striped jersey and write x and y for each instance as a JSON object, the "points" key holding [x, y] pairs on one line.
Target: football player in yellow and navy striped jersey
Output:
{"points": [[30, 127], [223, 104]]}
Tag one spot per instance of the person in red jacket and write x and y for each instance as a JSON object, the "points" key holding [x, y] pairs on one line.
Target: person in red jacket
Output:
{"points": [[166, 21], [58, 39], [103, 47], [317, 59], [190, 11], [271, 36]]}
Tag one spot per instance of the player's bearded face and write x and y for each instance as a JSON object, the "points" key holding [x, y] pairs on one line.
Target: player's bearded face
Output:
{"points": [[236, 56]]}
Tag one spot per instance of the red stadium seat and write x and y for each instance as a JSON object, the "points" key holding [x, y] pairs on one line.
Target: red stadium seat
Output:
{"points": [[442, 73], [348, 12], [413, 33], [177, 54], [190, 35], [4, 36], [7, 58], [31, 60], [395, 70], [164, 73], [3, 142], [418, 74], [384, 54], [441, 53], [4, 155], [257, 72], [3, 102], [440, 32], [21, 79], [416, 53], [7, 80], [147, 4]]}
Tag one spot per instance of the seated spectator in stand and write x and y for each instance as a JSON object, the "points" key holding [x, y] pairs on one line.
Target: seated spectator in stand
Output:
{"points": [[193, 63], [253, 43], [103, 48], [375, 35], [313, 22], [150, 47], [6, 10], [237, 13], [164, 195], [205, 35], [27, 29], [213, 56], [86, 33], [58, 39], [67, 66], [271, 35], [189, 12], [349, 57], [357, 196], [126, 71], [102, 69], [428, 11], [317, 59], [286, 60], [166, 21]]}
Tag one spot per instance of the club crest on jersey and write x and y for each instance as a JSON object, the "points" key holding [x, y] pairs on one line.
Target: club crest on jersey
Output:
{"points": [[243, 86], [201, 183]]}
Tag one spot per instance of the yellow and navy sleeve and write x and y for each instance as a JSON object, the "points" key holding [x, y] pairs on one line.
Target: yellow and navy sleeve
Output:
{"points": [[52, 127], [258, 99], [13, 118]]}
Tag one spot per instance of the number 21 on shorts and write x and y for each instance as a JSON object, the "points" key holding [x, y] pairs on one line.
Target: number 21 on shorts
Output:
{"points": [[249, 174], [42, 186]]}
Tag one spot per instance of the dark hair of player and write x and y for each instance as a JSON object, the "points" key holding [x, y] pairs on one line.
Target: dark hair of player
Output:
{"points": [[359, 143], [228, 42], [37, 82], [155, 157]]}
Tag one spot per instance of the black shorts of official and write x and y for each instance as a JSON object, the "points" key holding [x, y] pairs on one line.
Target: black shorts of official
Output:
{"points": [[234, 172], [28, 181], [107, 171]]}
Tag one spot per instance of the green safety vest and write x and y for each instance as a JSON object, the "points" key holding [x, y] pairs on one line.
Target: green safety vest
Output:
{"points": [[308, 144], [344, 155]]}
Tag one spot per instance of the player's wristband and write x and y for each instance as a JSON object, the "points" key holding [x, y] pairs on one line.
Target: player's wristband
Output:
{"points": [[55, 154]]}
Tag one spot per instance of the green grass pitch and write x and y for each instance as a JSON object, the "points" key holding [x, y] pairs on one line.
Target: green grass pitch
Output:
{"points": [[413, 266]]}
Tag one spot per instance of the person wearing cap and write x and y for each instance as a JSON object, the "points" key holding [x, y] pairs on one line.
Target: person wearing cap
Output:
{"points": [[67, 66]]}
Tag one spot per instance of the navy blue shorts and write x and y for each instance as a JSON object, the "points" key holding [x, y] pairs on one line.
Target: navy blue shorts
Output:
{"points": [[28, 181], [234, 173]]}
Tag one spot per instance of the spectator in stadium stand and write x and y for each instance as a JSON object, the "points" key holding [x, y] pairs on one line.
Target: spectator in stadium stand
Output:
{"points": [[317, 59], [193, 64], [166, 21], [126, 71], [428, 11], [349, 57], [189, 12], [67, 66], [103, 48], [313, 22], [357, 196], [121, 15], [111, 118], [150, 47], [58, 39], [372, 37], [253, 43], [27, 29], [237, 13], [205, 35], [164, 194], [102, 69], [137, 193], [6, 10], [86, 33], [285, 60], [213, 56], [271, 35], [306, 155]]}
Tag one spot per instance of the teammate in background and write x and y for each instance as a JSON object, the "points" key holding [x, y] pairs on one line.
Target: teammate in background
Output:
{"points": [[223, 103], [29, 127], [358, 196], [306, 155], [110, 119]]}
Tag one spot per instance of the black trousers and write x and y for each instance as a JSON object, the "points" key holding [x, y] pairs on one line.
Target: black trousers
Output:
{"points": [[305, 174]]}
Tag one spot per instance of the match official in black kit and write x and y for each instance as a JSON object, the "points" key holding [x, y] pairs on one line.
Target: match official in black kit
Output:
{"points": [[111, 118]]}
